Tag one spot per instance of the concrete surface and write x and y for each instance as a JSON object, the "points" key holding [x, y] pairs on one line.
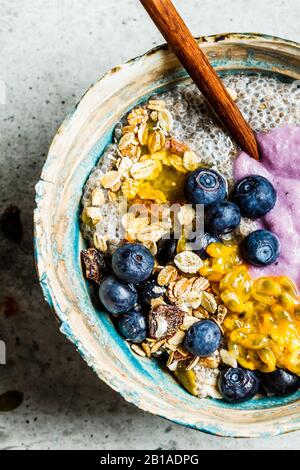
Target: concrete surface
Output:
{"points": [[51, 51]]}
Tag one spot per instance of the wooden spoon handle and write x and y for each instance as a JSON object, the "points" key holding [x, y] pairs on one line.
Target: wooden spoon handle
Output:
{"points": [[178, 36]]}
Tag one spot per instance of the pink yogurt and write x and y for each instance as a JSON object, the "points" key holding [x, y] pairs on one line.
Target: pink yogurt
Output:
{"points": [[280, 164]]}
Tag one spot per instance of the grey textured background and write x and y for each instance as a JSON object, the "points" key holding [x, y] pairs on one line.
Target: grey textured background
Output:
{"points": [[51, 51]]}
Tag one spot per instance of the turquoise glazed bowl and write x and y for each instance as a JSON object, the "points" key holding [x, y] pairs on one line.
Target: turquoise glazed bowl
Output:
{"points": [[75, 150]]}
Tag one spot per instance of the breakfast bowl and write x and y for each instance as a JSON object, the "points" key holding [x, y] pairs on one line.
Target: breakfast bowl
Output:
{"points": [[76, 149]]}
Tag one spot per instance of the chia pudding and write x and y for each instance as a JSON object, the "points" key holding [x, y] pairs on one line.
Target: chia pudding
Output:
{"points": [[222, 313]]}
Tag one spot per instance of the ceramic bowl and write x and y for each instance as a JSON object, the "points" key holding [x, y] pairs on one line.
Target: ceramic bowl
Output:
{"points": [[75, 150]]}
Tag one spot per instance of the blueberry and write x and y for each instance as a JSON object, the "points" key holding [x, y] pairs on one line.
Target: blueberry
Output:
{"points": [[133, 326], [237, 385], [166, 250], [255, 196], [132, 263], [280, 382], [260, 248], [205, 186], [150, 290], [117, 296], [203, 338], [203, 242], [222, 217]]}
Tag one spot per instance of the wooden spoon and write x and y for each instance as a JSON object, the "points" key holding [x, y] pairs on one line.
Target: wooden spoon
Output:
{"points": [[178, 36]]}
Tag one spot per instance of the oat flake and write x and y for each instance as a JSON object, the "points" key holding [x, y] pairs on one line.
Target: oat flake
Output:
{"points": [[188, 262]]}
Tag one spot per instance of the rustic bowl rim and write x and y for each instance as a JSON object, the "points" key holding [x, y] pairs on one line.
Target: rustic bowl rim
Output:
{"points": [[287, 426]]}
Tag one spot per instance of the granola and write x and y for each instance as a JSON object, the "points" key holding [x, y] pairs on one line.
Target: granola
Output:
{"points": [[164, 321], [145, 150], [94, 263]]}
